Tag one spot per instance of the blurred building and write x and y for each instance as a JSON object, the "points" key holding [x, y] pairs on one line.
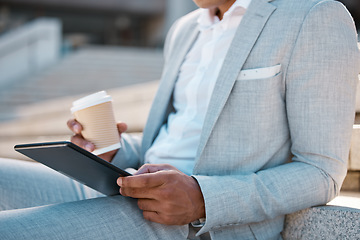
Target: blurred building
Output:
{"points": [[108, 22], [38, 39]]}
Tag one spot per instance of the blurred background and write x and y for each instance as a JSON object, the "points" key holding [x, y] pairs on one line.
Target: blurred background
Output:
{"points": [[52, 48], [55, 51]]}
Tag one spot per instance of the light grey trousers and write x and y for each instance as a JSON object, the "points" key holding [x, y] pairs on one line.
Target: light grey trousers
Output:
{"points": [[36, 202]]}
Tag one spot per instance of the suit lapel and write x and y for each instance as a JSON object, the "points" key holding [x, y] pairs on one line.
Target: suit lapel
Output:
{"points": [[245, 37], [160, 106]]}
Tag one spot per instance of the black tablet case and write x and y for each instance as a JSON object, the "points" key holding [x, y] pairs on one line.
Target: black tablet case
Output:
{"points": [[77, 163]]}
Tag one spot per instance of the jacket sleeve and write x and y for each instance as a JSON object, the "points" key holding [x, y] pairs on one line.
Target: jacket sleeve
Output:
{"points": [[320, 102], [128, 155]]}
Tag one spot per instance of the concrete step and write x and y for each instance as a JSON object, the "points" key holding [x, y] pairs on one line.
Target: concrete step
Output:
{"points": [[358, 95], [354, 159], [348, 199], [88, 70], [352, 181], [46, 121]]}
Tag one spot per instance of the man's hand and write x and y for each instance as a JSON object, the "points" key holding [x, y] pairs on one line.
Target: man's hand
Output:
{"points": [[165, 194], [79, 140]]}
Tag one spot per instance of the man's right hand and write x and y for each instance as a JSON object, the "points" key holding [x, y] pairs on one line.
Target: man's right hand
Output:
{"points": [[79, 140]]}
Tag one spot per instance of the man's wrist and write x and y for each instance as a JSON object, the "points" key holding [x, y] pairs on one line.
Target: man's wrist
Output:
{"points": [[200, 213]]}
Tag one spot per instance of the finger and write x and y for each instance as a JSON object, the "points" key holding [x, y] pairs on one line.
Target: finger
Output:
{"points": [[146, 168], [74, 126], [81, 142], [152, 216], [160, 218], [142, 181], [150, 205], [122, 127], [140, 193], [152, 168], [108, 156]]}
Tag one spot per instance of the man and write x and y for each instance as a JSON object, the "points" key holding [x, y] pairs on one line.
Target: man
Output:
{"points": [[354, 9], [256, 105]]}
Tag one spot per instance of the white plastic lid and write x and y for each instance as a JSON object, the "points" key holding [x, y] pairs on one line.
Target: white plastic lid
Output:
{"points": [[90, 100]]}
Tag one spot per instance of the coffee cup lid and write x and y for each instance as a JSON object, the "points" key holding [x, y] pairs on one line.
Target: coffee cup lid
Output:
{"points": [[90, 100]]}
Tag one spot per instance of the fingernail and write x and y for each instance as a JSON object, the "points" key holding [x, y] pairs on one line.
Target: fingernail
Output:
{"points": [[119, 181], [77, 128], [89, 147]]}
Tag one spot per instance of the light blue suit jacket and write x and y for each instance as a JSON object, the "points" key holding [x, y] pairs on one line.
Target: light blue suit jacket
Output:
{"points": [[277, 132]]}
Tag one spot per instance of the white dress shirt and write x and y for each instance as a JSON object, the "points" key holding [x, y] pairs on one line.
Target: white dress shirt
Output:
{"points": [[178, 140]]}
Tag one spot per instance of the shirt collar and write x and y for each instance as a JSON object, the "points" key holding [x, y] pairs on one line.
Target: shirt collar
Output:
{"points": [[208, 18]]}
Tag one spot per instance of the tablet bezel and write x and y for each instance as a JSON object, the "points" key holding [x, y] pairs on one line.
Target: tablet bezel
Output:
{"points": [[33, 150]]}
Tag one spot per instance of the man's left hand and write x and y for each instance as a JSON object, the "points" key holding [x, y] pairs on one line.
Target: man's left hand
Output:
{"points": [[165, 195]]}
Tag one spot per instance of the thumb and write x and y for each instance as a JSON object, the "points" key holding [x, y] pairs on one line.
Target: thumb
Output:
{"points": [[152, 168], [122, 127], [148, 168]]}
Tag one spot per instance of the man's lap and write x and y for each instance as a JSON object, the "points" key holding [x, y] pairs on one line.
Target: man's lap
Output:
{"points": [[98, 218], [28, 184], [67, 213]]}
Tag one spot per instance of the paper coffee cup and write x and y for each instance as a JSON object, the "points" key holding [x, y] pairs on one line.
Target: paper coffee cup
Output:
{"points": [[95, 113]]}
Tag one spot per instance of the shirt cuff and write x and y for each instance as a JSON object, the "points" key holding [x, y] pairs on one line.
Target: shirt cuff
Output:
{"points": [[199, 223]]}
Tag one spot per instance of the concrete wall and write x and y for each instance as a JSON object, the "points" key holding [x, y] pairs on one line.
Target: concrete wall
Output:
{"points": [[29, 49], [323, 222], [175, 9]]}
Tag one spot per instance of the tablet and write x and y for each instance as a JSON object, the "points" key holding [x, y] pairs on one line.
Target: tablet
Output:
{"points": [[77, 163]]}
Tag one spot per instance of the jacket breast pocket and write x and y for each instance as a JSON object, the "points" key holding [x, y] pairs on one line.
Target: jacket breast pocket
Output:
{"points": [[259, 91], [259, 73]]}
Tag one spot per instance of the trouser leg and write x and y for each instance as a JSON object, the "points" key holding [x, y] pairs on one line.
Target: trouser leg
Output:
{"points": [[28, 184], [99, 218]]}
